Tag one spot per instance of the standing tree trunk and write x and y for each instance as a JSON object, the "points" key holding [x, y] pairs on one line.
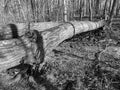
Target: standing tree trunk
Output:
{"points": [[97, 7], [117, 10], [80, 12], [84, 8], [113, 9], [105, 8], [90, 10], [65, 10]]}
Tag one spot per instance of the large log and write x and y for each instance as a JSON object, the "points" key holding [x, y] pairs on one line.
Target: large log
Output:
{"points": [[54, 36], [54, 33], [12, 51], [22, 27]]}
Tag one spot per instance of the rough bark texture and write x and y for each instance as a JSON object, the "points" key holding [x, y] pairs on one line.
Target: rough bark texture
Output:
{"points": [[54, 36], [22, 27], [11, 52], [51, 38]]}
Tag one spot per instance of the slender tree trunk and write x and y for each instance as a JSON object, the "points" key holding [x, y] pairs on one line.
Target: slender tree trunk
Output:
{"points": [[97, 7], [113, 8], [65, 10], [90, 10], [58, 10], [110, 5], [105, 8], [80, 11], [117, 11]]}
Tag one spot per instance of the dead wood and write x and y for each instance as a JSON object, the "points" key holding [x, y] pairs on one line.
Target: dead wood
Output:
{"points": [[12, 51]]}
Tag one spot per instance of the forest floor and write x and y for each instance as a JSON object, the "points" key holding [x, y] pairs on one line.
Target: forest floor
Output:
{"points": [[87, 61]]}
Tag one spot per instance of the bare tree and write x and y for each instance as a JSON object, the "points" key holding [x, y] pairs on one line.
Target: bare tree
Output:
{"points": [[97, 6], [105, 8], [113, 8], [81, 7], [90, 10], [65, 10]]}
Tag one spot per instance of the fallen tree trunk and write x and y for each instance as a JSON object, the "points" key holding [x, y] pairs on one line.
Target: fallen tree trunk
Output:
{"points": [[22, 27], [54, 36], [11, 52]]}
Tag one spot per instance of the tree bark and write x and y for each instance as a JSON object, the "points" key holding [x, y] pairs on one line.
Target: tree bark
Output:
{"points": [[65, 10], [54, 33], [113, 8], [42, 26], [90, 10], [97, 7], [105, 8], [54, 36], [80, 12], [12, 53]]}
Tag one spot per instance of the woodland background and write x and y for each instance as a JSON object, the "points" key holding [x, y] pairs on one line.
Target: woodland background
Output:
{"points": [[87, 61], [55, 10]]}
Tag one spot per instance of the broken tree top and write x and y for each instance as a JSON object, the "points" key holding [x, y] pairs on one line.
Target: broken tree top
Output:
{"points": [[53, 34]]}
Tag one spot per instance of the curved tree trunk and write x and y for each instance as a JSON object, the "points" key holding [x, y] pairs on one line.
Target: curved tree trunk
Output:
{"points": [[12, 51]]}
